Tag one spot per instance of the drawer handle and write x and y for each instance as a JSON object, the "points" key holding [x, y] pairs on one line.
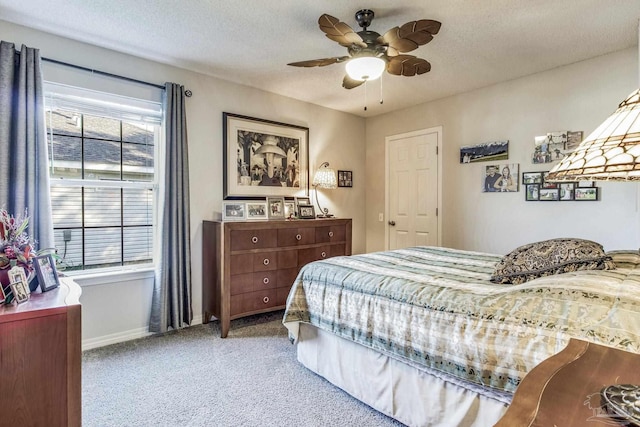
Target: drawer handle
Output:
{"points": [[266, 261], [265, 300], [331, 234], [298, 237], [265, 280], [323, 254], [254, 239]]}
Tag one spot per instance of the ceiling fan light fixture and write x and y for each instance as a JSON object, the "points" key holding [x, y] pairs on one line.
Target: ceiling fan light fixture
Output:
{"points": [[365, 68]]}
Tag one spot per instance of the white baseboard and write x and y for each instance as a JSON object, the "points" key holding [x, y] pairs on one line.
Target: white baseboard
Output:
{"points": [[132, 334]]}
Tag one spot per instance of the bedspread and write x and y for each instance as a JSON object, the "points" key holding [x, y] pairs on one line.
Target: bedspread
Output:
{"points": [[435, 307]]}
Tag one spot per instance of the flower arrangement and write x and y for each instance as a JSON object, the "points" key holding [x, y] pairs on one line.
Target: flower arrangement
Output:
{"points": [[16, 246]]}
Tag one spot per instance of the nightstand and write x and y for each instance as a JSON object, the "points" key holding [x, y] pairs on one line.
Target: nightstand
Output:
{"points": [[564, 390]]}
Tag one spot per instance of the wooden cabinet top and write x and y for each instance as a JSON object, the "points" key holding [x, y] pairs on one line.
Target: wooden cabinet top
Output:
{"points": [[564, 390], [275, 224], [43, 304]]}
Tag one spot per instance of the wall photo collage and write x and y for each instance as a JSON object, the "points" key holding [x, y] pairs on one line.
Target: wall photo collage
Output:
{"points": [[538, 189]]}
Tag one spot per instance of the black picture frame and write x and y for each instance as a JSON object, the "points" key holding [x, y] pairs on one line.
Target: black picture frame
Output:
{"points": [[345, 178], [549, 194], [46, 271], [586, 194], [532, 192], [284, 170], [306, 212]]}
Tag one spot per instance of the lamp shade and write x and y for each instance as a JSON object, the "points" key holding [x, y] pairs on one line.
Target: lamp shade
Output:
{"points": [[611, 152], [325, 177], [365, 68]]}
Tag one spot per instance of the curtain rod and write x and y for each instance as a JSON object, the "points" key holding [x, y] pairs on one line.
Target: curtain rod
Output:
{"points": [[102, 73], [187, 92]]}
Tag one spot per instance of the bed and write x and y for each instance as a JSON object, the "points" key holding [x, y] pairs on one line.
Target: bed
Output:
{"points": [[423, 335]]}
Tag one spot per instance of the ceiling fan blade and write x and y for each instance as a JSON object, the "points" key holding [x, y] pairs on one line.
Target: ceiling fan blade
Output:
{"points": [[411, 35], [339, 31], [319, 62], [349, 83], [407, 65]]}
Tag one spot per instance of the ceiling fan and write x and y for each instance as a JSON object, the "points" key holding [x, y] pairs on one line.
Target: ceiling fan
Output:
{"points": [[370, 54]]}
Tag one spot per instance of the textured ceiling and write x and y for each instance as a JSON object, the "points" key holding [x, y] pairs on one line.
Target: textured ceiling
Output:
{"points": [[251, 41]]}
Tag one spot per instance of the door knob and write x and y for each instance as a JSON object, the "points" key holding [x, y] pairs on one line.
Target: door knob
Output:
{"points": [[392, 223]]}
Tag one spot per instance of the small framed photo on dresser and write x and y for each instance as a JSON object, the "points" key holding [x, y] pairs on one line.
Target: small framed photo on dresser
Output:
{"points": [[306, 212], [47, 273], [275, 207], [233, 211], [20, 291], [256, 210]]}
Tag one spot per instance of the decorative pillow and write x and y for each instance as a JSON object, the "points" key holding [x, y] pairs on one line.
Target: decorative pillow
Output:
{"points": [[554, 256], [625, 258]]}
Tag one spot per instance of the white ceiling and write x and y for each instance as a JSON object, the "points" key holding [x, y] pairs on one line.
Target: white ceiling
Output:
{"points": [[481, 42]]}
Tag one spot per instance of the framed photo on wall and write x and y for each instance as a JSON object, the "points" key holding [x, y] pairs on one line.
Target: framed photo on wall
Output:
{"points": [[263, 158], [586, 194], [345, 178]]}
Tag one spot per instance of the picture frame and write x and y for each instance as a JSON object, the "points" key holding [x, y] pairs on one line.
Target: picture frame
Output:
{"points": [[549, 194], [532, 192], [45, 267], [306, 212], [546, 184], [531, 178], [290, 211], [586, 194], [303, 201], [567, 190], [256, 210], [17, 274], [585, 184], [233, 211], [20, 291], [275, 207], [263, 158], [501, 178], [345, 178], [485, 152], [3, 297]]}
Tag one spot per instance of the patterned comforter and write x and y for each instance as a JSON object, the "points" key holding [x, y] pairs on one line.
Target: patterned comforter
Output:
{"points": [[435, 307]]}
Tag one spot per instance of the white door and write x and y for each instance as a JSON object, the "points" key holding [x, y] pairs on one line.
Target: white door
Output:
{"points": [[413, 189]]}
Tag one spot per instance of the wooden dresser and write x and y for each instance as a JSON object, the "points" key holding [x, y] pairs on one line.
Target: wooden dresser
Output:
{"points": [[249, 267], [40, 359]]}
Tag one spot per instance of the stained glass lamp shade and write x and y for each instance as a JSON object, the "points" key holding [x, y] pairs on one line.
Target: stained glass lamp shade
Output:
{"points": [[609, 153]]}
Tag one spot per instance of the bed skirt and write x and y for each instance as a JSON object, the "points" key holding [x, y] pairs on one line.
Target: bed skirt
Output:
{"points": [[403, 392]]}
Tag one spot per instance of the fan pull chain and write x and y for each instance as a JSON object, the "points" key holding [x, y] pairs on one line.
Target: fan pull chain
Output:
{"points": [[381, 96], [365, 95]]}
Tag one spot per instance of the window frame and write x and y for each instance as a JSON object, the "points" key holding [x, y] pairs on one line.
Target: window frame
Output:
{"points": [[123, 272]]}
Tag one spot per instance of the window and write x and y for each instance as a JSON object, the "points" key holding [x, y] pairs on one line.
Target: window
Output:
{"points": [[102, 167]]}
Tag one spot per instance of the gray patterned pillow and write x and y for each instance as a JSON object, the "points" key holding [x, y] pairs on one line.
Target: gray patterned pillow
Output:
{"points": [[554, 256]]}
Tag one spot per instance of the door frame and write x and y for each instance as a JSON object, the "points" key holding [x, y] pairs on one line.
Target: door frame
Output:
{"points": [[388, 140]]}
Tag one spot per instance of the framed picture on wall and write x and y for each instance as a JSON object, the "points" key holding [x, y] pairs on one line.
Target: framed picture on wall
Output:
{"points": [[532, 192], [586, 194], [263, 158], [549, 194], [566, 190]]}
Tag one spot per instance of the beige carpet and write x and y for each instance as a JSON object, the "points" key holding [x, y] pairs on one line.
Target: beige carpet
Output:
{"points": [[195, 378]]}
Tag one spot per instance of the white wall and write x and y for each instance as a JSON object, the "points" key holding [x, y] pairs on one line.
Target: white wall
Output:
{"points": [[116, 311], [577, 97]]}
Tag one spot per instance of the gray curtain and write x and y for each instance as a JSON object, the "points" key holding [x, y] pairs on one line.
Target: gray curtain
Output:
{"points": [[24, 175], [171, 307]]}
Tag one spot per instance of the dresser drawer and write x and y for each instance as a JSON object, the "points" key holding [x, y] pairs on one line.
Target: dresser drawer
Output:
{"points": [[249, 282], [306, 256], [286, 277], [253, 301], [253, 239], [247, 263], [328, 234], [296, 236]]}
